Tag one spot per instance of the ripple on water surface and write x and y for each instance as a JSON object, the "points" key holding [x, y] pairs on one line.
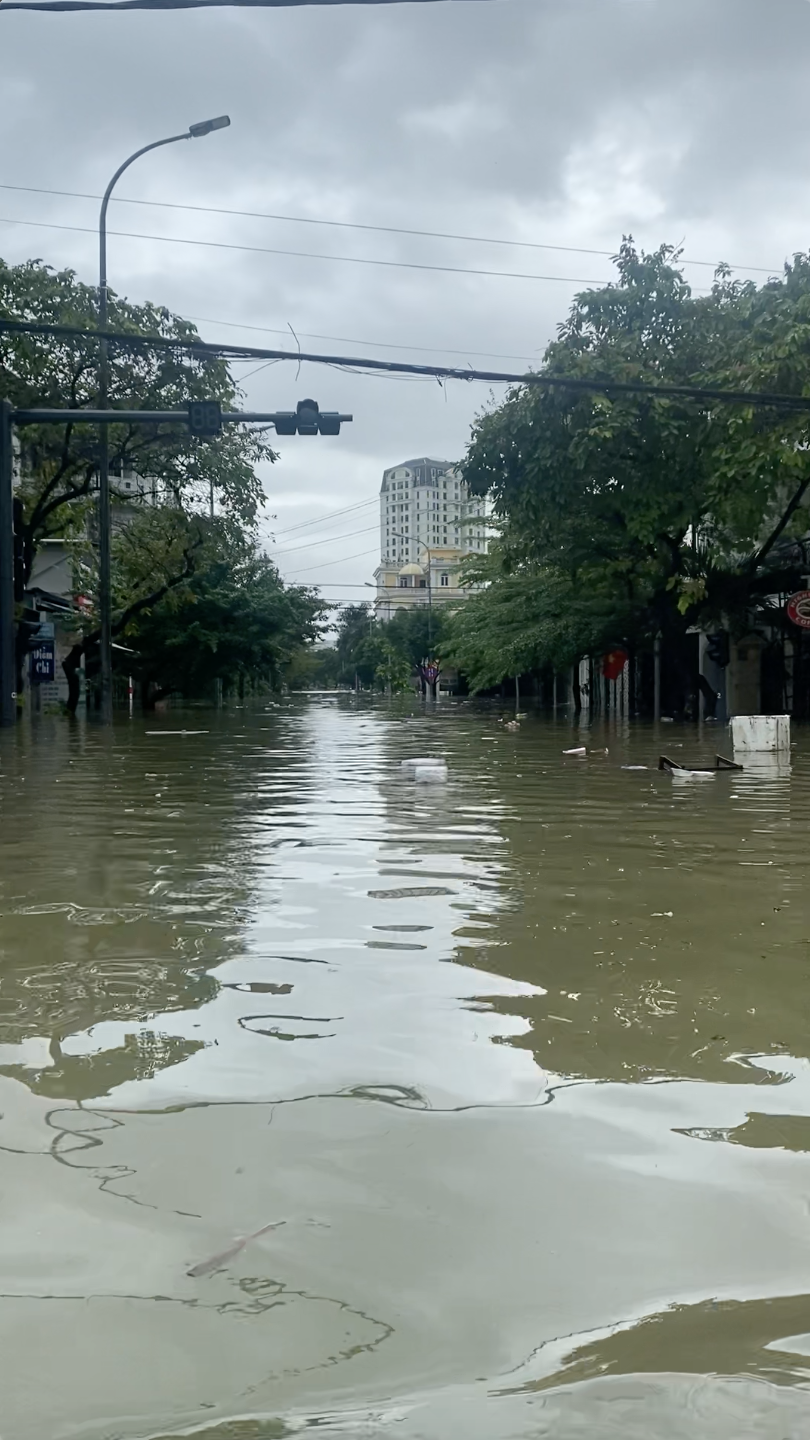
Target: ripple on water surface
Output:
{"points": [[519, 1057]]}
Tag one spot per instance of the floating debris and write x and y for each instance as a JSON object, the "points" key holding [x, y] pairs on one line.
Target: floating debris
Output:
{"points": [[178, 732], [414, 892], [675, 769], [216, 1261], [424, 771]]}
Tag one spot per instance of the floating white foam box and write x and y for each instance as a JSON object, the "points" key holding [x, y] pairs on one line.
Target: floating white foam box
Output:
{"points": [[760, 733], [424, 774]]}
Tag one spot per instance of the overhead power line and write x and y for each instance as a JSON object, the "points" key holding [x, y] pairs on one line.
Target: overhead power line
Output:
{"points": [[346, 340], [330, 515], [325, 540], [67, 5], [353, 225], [302, 254], [340, 561], [202, 349]]}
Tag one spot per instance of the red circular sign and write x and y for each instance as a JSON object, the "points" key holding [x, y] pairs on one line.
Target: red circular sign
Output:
{"points": [[798, 609], [614, 663]]}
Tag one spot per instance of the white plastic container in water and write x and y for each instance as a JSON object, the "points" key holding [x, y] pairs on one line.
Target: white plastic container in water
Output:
{"points": [[762, 733], [430, 774]]}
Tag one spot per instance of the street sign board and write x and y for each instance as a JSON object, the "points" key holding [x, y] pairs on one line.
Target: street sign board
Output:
{"points": [[429, 671], [798, 609], [43, 662]]}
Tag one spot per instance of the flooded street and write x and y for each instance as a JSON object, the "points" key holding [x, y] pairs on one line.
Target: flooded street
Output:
{"points": [[519, 1060]]}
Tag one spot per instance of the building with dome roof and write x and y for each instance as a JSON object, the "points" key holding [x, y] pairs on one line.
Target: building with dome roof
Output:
{"points": [[429, 523]]}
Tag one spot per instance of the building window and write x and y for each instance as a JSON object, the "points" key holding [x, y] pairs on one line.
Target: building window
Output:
{"points": [[444, 579], [403, 582]]}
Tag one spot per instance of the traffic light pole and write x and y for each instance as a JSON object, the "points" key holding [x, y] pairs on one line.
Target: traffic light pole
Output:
{"points": [[8, 679], [202, 418]]}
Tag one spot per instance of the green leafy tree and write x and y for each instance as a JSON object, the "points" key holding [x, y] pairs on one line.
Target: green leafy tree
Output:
{"points": [[229, 619], [355, 657], [59, 461], [314, 668], [365, 647], [418, 632], [530, 619], [624, 515], [393, 669]]}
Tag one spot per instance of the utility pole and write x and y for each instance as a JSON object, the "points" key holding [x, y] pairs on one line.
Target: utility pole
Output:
{"points": [[8, 668], [430, 597], [397, 535], [104, 511]]}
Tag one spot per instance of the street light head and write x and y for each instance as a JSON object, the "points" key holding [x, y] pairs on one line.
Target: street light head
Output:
{"points": [[204, 127]]}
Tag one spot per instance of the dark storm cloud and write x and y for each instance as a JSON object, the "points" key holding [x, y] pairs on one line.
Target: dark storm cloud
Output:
{"points": [[567, 121], [487, 98]]}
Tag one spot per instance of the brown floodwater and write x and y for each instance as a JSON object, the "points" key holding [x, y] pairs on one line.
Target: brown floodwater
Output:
{"points": [[521, 1060]]}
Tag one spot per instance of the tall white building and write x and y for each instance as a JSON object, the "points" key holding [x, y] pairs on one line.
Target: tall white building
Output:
{"points": [[428, 524]]}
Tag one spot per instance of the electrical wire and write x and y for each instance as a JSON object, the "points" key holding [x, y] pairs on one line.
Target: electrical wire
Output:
{"points": [[346, 340], [343, 558], [304, 254], [328, 540], [352, 225], [203, 349], [72, 5], [330, 515]]}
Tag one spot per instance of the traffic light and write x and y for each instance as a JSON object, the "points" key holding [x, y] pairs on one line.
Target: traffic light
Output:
{"points": [[308, 419], [308, 415], [718, 649]]}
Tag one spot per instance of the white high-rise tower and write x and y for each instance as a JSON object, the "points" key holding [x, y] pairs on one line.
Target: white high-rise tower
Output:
{"points": [[428, 524]]}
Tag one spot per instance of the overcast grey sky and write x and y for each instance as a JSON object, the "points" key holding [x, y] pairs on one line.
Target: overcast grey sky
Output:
{"points": [[560, 122]]}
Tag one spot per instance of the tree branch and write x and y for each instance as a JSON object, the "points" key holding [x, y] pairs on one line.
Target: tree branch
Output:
{"points": [[40, 511], [793, 505], [147, 601], [76, 492]]}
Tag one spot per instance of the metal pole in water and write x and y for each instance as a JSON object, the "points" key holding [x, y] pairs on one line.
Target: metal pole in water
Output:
{"points": [[657, 700], [8, 682]]}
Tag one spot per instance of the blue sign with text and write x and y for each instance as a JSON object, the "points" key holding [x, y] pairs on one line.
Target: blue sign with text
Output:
{"points": [[43, 662]]}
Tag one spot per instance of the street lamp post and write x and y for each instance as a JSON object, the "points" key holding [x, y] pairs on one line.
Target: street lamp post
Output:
{"points": [[397, 536], [194, 132]]}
